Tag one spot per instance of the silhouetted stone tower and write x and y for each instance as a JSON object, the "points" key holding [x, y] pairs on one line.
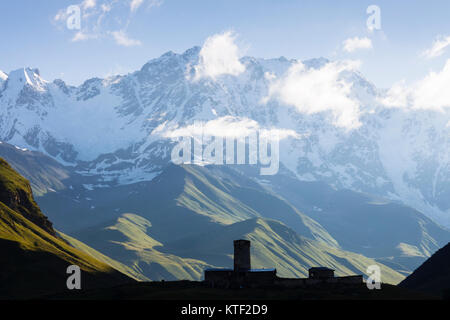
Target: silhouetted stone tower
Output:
{"points": [[241, 255]]}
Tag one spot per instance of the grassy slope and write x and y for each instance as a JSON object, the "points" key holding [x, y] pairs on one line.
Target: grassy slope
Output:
{"points": [[355, 220], [43, 173], [275, 245], [15, 193], [128, 240], [227, 191], [171, 211], [33, 260], [391, 232], [101, 257], [184, 202]]}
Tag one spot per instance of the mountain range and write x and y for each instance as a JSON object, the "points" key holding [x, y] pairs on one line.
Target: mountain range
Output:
{"points": [[160, 228], [98, 159], [35, 256], [176, 245], [116, 129]]}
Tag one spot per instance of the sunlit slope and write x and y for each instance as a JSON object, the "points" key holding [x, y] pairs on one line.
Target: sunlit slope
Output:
{"points": [[389, 231], [274, 245], [181, 201], [33, 259], [128, 240], [43, 173], [101, 257]]}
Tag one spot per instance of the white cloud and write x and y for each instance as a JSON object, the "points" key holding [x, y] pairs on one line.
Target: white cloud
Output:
{"points": [[313, 91], [99, 19], [135, 4], [155, 3], [61, 15], [353, 44], [88, 4], [219, 55], [438, 47], [226, 127], [122, 39], [106, 7], [82, 36], [430, 93], [396, 96]]}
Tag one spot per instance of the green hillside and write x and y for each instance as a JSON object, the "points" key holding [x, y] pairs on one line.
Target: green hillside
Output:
{"points": [[144, 227], [43, 173], [394, 234], [128, 240], [16, 194], [274, 245], [34, 260]]}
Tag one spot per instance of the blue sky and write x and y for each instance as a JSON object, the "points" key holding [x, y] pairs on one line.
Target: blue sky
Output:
{"points": [[31, 36]]}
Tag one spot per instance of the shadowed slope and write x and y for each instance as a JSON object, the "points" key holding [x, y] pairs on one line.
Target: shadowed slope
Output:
{"points": [[433, 275]]}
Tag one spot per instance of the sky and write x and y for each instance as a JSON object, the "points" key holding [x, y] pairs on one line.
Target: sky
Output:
{"points": [[119, 36]]}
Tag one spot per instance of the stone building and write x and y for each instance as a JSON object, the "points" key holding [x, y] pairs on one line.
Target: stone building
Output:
{"points": [[242, 275], [320, 273]]}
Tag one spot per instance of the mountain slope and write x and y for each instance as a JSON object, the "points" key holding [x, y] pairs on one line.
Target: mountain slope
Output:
{"points": [[44, 173], [174, 232], [34, 260], [115, 127], [181, 201], [433, 275], [188, 200], [275, 245], [373, 226], [199, 197], [128, 239], [16, 194]]}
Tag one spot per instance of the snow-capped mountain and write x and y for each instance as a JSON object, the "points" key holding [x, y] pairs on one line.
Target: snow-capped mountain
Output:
{"points": [[111, 128]]}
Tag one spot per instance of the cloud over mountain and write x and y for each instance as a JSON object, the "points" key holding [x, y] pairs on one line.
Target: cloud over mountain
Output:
{"points": [[218, 56], [356, 43], [312, 90]]}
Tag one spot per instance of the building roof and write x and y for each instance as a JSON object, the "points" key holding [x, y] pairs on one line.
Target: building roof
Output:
{"points": [[218, 269], [320, 269], [263, 270], [251, 270]]}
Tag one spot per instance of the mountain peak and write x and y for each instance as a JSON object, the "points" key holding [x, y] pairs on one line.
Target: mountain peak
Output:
{"points": [[3, 76], [316, 63], [31, 76], [192, 52]]}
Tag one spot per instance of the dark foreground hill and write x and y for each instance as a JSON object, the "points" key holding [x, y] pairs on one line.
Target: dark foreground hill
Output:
{"points": [[33, 259], [193, 290], [433, 275]]}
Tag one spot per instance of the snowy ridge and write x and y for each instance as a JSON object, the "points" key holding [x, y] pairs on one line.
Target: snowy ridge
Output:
{"points": [[107, 127]]}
